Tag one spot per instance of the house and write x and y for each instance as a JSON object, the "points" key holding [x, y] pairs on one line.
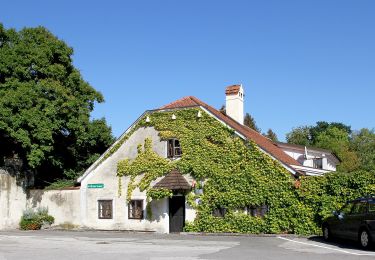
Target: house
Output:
{"points": [[313, 161], [152, 157]]}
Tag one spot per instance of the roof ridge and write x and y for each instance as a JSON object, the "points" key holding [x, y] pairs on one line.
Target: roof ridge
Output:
{"points": [[302, 146], [179, 100]]}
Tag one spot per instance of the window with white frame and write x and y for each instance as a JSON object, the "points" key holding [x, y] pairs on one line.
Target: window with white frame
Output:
{"points": [[135, 209]]}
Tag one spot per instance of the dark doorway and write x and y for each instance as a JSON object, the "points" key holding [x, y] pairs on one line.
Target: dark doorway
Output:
{"points": [[176, 214]]}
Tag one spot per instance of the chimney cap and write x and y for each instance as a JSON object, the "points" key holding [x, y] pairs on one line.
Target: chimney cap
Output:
{"points": [[233, 90]]}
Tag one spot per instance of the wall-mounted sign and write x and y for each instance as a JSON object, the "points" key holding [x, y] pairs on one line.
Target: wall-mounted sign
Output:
{"points": [[95, 185]]}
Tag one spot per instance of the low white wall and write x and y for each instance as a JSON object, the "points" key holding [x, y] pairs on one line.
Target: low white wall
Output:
{"points": [[12, 201], [63, 205]]}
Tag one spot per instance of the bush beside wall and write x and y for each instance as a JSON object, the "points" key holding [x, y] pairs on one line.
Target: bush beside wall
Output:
{"points": [[35, 219]]}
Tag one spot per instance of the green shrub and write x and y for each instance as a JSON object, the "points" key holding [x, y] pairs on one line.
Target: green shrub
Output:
{"points": [[34, 220], [60, 184], [27, 224], [324, 194]]}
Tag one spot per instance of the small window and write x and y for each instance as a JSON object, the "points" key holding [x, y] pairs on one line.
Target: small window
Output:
{"points": [[135, 209], [105, 209], [318, 163], [371, 206], [359, 208], [219, 212], [347, 208], [257, 211], [174, 148]]}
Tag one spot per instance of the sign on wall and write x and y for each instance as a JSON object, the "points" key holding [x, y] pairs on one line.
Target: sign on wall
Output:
{"points": [[95, 185]]}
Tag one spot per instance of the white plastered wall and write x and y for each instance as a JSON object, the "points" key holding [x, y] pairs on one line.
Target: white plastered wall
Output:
{"points": [[105, 174], [63, 205], [328, 163], [12, 201]]}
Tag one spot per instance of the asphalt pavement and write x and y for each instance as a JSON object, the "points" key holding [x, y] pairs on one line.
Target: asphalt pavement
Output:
{"points": [[93, 245]]}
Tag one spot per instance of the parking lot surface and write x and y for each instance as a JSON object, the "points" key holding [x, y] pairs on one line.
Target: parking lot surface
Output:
{"points": [[125, 245]]}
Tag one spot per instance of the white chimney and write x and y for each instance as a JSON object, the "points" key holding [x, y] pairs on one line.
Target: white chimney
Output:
{"points": [[234, 102]]}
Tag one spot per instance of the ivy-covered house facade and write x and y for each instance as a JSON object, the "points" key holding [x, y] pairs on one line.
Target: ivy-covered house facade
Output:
{"points": [[187, 166]]}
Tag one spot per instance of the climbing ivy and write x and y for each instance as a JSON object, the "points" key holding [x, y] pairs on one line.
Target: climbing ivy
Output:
{"points": [[331, 192], [159, 193], [148, 164], [235, 174]]}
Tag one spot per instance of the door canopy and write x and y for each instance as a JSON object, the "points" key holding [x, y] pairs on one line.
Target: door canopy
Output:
{"points": [[173, 181]]}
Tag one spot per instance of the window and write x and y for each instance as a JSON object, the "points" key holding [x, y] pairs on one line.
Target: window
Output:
{"points": [[371, 206], [135, 209], [104, 209], [257, 211], [219, 212], [318, 163], [359, 208], [174, 148], [346, 209]]}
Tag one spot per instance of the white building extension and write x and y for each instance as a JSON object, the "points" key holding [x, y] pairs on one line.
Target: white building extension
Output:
{"points": [[314, 161]]}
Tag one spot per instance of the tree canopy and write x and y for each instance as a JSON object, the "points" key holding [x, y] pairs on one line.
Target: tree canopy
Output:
{"points": [[308, 135], [355, 149], [300, 135], [45, 105], [337, 140], [363, 143]]}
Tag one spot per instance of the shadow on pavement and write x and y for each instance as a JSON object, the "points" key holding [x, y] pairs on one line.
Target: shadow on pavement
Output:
{"points": [[341, 243]]}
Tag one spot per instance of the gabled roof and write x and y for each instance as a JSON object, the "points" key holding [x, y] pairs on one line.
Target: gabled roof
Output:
{"points": [[173, 181], [301, 148], [263, 142]]}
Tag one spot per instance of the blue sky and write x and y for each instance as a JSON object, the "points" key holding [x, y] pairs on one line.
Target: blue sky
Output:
{"points": [[299, 61]]}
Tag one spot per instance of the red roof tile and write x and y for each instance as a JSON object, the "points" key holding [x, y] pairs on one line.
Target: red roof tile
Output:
{"points": [[183, 102], [264, 143], [232, 90]]}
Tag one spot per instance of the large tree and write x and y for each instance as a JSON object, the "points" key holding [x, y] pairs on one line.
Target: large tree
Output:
{"points": [[363, 142], [322, 126], [307, 135], [300, 135], [337, 140], [45, 105]]}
